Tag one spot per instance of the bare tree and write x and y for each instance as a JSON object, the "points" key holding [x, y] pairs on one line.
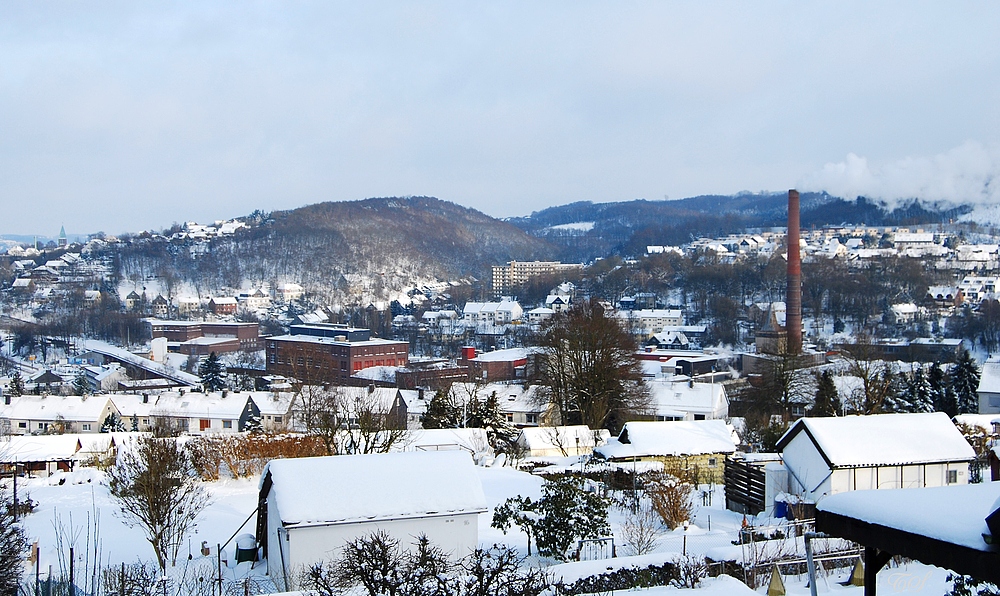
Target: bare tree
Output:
{"points": [[589, 371], [352, 419], [641, 529], [155, 485], [878, 384]]}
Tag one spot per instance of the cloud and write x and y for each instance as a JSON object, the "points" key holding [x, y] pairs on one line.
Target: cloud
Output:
{"points": [[969, 173]]}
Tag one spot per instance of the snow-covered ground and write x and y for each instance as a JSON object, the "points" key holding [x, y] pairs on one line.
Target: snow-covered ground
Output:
{"points": [[73, 501]]}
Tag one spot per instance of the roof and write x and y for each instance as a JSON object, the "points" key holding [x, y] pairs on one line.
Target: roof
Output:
{"points": [[188, 405], [898, 522], [989, 377], [678, 393], [689, 437], [508, 355], [560, 437], [353, 488], [48, 407], [30, 448], [883, 439]]}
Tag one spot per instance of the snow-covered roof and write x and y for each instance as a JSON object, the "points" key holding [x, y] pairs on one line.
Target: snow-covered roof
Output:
{"points": [[989, 377], [72, 408], [189, 405], [127, 357], [689, 437], [30, 448], [353, 488], [955, 514], [507, 355], [561, 437], [676, 393], [884, 439]]}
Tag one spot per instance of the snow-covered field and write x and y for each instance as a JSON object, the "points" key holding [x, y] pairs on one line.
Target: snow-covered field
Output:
{"points": [[69, 504]]}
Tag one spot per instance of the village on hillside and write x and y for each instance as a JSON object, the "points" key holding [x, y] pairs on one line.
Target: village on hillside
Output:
{"points": [[600, 436]]}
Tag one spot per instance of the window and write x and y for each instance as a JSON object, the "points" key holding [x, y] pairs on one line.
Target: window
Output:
{"points": [[713, 462], [952, 476], [22, 425], [227, 424], [277, 419], [531, 418], [510, 418], [205, 424], [699, 416], [40, 425], [145, 421], [86, 427]]}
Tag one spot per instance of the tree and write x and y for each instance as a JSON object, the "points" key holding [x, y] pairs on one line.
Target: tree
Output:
{"points": [[13, 544], [442, 411], [965, 383], [155, 485], [781, 385], [941, 394], [16, 384], [351, 420], [112, 424], [877, 382], [565, 513], [916, 397], [80, 384], [254, 425], [827, 402], [212, 373], [488, 415], [588, 369]]}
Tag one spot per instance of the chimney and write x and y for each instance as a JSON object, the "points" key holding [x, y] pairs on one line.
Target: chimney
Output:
{"points": [[793, 294]]}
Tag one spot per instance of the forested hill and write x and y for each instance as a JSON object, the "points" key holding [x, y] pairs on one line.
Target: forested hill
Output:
{"points": [[585, 230], [360, 248]]}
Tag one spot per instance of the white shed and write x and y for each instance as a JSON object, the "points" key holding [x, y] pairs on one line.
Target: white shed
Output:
{"points": [[825, 456], [560, 441], [310, 507]]}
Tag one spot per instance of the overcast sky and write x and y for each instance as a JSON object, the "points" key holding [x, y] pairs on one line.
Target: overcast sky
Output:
{"points": [[134, 115]]}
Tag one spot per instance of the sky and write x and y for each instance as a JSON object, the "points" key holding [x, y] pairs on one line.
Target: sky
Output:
{"points": [[123, 116]]}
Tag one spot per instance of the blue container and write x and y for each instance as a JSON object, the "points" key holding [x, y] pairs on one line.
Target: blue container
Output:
{"points": [[780, 509]]}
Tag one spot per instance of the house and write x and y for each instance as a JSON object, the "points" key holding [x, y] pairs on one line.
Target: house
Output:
{"points": [[696, 448], [288, 291], [310, 507], [160, 306], [275, 410], [188, 305], [192, 412], [254, 300], [498, 365], [104, 378], [522, 405], [989, 387], [560, 441], [37, 414], [680, 398], [222, 305], [825, 456], [133, 301], [40, 455]]}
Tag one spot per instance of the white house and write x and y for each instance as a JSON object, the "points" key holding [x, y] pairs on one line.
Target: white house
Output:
{"points": [[36, 414], [680, 398], [310, 507], [196, 413], [989, 387], [560, 441], [825, 456]]}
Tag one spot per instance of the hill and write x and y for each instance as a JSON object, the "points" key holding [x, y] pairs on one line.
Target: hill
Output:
{"points": [[585, 230]]}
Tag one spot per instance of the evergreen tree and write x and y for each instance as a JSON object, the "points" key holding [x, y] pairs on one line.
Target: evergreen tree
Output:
{"points": [[442, 412], [254, 425], [487, 414], [965, 383], [827, 402], [135, 424], [213, 374], [16, 384], [918, 392], [941, 392], [13, 545], [895, 393], [80, 384], [112, 424]]}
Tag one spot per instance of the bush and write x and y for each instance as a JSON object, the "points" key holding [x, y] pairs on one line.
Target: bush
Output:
{"points": [[623, 579], [671, 498]]}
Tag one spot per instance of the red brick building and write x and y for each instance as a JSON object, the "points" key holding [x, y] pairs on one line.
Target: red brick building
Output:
{"points": [[325, 352], [239, 336], [223, 306]]}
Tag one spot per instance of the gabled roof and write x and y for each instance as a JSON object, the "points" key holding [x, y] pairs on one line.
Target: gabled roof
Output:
{"points": [[883, 439], [697, 437], [49, 407], [355, 488]]}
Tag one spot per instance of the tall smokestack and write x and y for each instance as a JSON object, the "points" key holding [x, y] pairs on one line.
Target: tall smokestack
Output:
{"points": [[793, 294]]}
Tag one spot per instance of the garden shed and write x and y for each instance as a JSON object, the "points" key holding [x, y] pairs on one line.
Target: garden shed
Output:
{"points": [[688, 446]]}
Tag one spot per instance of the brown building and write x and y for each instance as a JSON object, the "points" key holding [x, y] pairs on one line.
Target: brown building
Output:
{"points": [[238, 336], [223, 306], [324, 352], [500, 365]]}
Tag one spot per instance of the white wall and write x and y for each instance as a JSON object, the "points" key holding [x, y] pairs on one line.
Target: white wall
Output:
{"points": [[457, 535], [806, 467]]}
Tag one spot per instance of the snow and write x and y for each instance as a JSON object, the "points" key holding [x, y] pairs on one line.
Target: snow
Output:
{"points": [[913, 510], [48, 407], [508, 355], [129, 358], [695, 437], [41, 448], [345, 488], [560, 437], [989, 380], [885, 439], [580, 226]]}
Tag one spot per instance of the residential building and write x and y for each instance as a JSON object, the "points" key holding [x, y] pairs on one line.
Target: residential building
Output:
{"points": [[516, 273]]}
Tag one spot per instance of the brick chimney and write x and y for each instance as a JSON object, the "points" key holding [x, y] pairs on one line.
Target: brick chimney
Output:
{"points": [[793, 294]]}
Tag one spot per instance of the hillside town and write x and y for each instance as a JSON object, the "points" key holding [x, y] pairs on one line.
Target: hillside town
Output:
{"points": [[635, 391]]}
